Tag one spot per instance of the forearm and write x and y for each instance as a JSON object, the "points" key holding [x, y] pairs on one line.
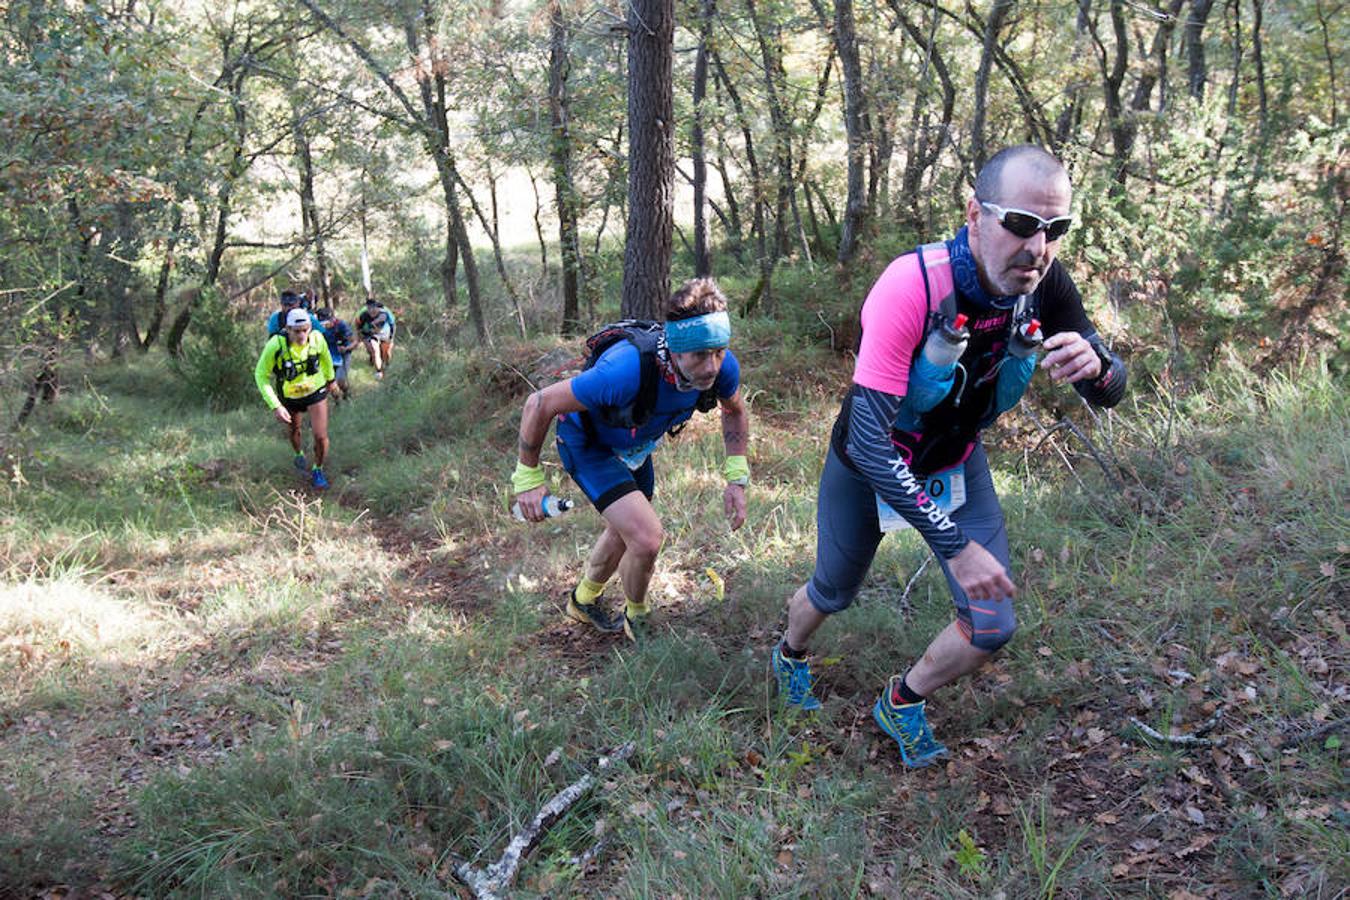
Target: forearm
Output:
{"points": [[736, 431], [875, 457], [534, 422]]}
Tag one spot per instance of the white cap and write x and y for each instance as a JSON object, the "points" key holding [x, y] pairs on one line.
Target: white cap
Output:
{"points": [[296, 317]]}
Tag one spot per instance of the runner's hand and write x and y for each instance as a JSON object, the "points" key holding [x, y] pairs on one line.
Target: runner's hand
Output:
{"points": [[980, 574], [531, 503], [1069, 358], [733, 501], [283, 415]]}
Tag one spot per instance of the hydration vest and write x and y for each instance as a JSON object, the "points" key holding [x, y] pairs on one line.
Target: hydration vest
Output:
{"points": [[653, 363], [947, 432], [285, 369]]}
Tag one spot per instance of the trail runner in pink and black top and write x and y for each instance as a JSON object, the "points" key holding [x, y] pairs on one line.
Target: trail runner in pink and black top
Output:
{"points": [[891, 465]]}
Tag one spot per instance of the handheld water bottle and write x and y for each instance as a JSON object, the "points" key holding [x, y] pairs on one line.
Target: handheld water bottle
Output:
{"points": [[947, 342], [552, 506], [1026, 339]]}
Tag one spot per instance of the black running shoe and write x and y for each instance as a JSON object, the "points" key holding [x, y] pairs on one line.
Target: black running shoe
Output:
{"points": [[592, 614]]}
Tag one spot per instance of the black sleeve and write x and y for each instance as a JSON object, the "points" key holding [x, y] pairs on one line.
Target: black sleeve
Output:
{"points": [[874, 457], [1061, 306], [1108, 388], [1062, 310]]}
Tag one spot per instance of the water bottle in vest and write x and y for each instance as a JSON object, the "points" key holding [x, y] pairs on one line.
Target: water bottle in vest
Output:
{"points": [[933, 373], [1026, 339], [551, 505], [947, 342]]}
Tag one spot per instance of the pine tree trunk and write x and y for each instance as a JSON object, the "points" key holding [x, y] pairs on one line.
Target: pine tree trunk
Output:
{"points": [[651, 158]]}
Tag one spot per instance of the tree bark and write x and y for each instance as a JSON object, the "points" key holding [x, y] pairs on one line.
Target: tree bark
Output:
{"points": [[309, 208], [991, 30], [1195, 46], [560, 154], [702, 260], [651, 158], [850, 67], [925, 141], [173, 341]]}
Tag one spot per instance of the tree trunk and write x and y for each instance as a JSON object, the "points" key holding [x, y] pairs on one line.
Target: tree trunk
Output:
{"points": [[46, 384], [759, 226], [436, 135], [1330, 54], [651, 158], [1236, 81], [925, 141], [224, 207], [735, 236], [1258, 57], [539, 222], [702, 261], [125, 334], [560, 153], [1195, 46], [770, 51], [991, 29], [309, 208], [850, 66]]}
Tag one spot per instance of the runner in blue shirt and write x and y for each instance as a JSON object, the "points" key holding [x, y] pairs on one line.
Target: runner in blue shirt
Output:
{"points": [[341, 342], [644, 385], [276, 323]]}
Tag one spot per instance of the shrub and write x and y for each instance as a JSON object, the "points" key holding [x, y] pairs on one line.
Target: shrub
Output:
{"points": [[216, 364]]}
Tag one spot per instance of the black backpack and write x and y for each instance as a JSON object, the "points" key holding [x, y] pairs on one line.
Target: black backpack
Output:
{"points": [[650, 340]]}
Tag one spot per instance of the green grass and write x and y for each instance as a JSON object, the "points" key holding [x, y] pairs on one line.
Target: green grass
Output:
{"points": [[271, 694]]}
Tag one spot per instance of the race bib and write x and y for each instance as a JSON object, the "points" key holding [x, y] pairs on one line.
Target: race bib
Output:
{"points": [[634, 457], [296, 389], [947, 489]]}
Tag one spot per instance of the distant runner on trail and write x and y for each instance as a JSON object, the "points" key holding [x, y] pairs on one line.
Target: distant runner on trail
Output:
{"points": [[294, 374], [643, 380], [949, 340], [341, 342], [376, 324], [276, 323]]}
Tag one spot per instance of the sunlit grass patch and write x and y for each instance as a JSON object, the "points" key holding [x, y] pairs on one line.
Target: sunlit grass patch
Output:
{"points": [[60, 634]]}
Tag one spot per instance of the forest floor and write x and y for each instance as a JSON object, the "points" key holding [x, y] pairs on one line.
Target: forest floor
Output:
{"points": [[218, 683]]}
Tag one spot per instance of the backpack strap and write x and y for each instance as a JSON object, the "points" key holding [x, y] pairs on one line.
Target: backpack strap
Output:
{"points": [[936, 265]]}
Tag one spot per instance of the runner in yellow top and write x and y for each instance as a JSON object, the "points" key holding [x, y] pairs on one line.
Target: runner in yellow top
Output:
{"points": [[294, 374]]}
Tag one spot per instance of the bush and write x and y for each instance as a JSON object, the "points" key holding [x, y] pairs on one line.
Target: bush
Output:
{"points": [[216, 364]]}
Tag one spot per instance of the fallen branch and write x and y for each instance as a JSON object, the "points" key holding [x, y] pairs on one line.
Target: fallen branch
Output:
{"points": [[1293, 738], [1183, 740], [489, 883]]}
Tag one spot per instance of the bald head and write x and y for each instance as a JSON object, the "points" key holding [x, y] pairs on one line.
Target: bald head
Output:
{"points": [[1013, 167]]}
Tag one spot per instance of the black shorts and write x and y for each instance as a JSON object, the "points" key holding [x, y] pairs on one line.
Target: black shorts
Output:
{"points": [[300, 404]]}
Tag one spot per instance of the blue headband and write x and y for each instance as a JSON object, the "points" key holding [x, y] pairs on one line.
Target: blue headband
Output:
{"points": [[704, 332]]}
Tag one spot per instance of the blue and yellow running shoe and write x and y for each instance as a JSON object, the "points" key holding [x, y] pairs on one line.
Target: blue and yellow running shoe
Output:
{"points": [[795, 680], [317, 479], [301, 464], [908, 724]]}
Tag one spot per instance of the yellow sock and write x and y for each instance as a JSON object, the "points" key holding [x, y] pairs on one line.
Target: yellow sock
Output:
{"points": [[588, 591], [635, 610]]}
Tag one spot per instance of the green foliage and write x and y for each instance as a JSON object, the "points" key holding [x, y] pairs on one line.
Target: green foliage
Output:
{"points": [[218, 356], [970, 859]]}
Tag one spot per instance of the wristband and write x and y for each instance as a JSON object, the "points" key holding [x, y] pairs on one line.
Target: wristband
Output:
{"points": [[526, 478], [736, 470]]}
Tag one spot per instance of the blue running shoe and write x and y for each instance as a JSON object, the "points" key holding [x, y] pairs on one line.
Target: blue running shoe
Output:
{"points": [[908, 724], [316, 478], [794, 680], [301, 464]]}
